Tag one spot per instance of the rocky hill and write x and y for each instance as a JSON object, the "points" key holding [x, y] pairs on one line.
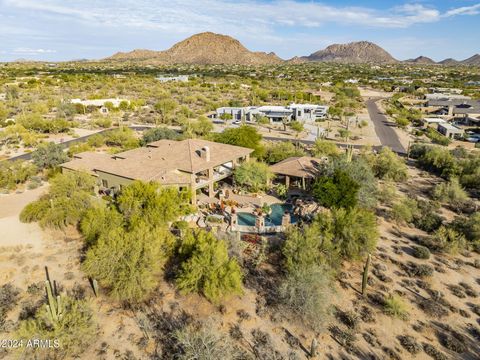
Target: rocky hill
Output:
{"points": [[474, 60], [355, 52], [449, 62], [421, 60], [203, 48]]}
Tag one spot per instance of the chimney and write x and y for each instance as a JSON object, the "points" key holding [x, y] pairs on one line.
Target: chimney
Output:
{"points": [[205, 153]]}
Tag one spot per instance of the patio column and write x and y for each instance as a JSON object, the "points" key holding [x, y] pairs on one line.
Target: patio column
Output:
{"points": [[287, 181], [194, 195], [303, 183]]}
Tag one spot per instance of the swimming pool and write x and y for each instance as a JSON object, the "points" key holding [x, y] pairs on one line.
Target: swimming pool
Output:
{"points": [[274, 219]]}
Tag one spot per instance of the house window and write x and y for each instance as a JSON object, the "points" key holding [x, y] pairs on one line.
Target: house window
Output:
{"points": [[104, 183]]}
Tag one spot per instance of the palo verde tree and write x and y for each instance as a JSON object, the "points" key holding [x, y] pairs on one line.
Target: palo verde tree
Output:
{"points": [[206, 267], [128, 262], [253, 175]]}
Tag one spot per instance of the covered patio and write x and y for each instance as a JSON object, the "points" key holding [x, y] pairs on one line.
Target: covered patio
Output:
{"points": [[298, 172]]}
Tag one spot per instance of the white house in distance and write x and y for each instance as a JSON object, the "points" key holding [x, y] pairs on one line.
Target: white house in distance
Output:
{"points": [[100, 103], [168, 78], [276, 114], [450, 131]]}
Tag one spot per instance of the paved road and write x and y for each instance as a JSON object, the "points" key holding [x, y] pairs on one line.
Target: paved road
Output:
{"points": [[383, 128]]}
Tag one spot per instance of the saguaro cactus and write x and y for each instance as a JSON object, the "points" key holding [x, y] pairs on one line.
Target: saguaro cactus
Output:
{"points": [[365, 274], [54, 307], [349, 152], [313, 348]]}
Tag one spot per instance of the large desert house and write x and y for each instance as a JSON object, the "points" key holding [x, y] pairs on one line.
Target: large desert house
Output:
{"points": [[189, 164]]}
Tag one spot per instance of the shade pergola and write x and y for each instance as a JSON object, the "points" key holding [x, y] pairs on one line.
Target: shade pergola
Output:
{"points": [[304, 167]]}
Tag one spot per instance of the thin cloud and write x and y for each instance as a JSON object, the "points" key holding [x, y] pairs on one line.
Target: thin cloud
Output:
{"points": [[186, 16], [29, 51]]}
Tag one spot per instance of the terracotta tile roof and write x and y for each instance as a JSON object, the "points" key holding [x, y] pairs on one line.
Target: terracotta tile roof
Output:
{"points": [[87, 161], [166, 161], [305, 166]]}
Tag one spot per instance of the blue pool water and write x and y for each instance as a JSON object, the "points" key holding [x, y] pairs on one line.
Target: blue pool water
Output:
{"points": [[274, 219]]}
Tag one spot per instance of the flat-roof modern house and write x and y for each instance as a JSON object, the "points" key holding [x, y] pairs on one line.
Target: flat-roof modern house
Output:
{"points": [[168, 78], [189, 164], [450, 131], [276, 114]]}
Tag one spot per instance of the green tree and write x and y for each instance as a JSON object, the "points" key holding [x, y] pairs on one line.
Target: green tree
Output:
{"points": [[158, 133], [390, 166], [49, 155], [203, 126], [206, 267], [98, 220], [253, 175], [129, 262], [124, 138], [151, 203], [15, 173], [354, 231], [325, 148], [339, 190], [245, 136], [278, 151], [308, 246]]}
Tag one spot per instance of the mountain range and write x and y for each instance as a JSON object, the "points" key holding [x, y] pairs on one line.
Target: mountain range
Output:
{"points": [[211, 48]]}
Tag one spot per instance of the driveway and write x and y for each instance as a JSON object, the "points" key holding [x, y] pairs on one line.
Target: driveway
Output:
{"points": [[384, 129]]}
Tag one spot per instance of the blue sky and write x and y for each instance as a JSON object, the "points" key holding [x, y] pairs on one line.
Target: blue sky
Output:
{"points": [[65, 30]]}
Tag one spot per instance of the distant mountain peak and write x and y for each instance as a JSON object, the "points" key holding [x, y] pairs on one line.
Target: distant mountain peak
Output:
{"points": [[421, 60], [204, 48], [354, 52]]}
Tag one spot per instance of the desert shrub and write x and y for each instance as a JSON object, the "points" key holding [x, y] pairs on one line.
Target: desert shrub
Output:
{"points": [[75, 330], [206, 267], [354, 231], [426, 215], [421, 252], [387, 193], [432, 351], [418, 270], [433, 308], [388, 165], [349, 318], [158, 133], [470, 228], [307, 292], [203, 341], [123, 138], [8, 300], [405, 211], [451, 193], [246, 136], [15, 173], [396, 307], [49, 155], [410, 344], [448, 240], [143, 250], [69, 196], [453, 340]]}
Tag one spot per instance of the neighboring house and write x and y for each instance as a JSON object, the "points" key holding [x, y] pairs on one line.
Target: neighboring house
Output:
{"points": [[167, 78], [443, 96], [450, 131], [429, 122], [298, 172], [276, 114], [100, 104], [189, 164]]}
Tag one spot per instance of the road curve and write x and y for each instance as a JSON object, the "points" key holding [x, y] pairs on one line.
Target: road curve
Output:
{"points": [[383, 128]]}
